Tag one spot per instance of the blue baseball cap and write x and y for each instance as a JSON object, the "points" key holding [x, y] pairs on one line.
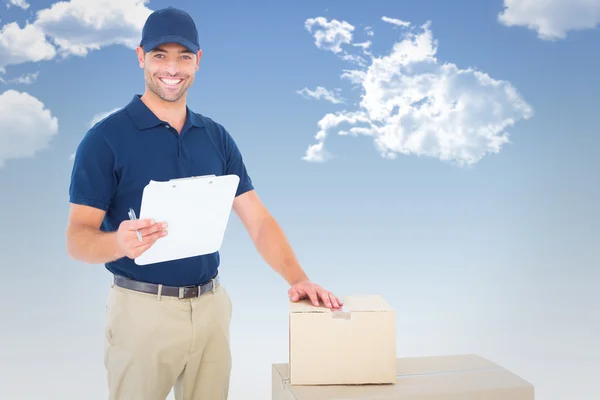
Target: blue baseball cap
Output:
{"points": [[170, 25]]}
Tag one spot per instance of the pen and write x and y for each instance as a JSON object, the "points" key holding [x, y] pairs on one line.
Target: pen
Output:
{"points": [[133, 218]]}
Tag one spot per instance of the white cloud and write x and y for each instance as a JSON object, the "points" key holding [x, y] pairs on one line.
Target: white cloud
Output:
{"points": [[73, 28], [20, 45], [79, 26], [394, 21], [364, 45], [317, 152], [320, 92], [26, 79], [329, 35], [552, 19], [354, 76], [26, 126], [333, 35], [414, 104], [19, 3]]}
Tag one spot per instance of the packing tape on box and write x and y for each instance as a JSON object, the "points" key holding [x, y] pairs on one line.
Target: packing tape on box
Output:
{"points": [[341, 313]]}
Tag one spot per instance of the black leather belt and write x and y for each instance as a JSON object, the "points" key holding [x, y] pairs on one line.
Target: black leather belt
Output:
{"points": [[184, 292]]}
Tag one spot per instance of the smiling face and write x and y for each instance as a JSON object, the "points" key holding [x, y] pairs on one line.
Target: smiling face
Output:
{"points": [[169, 70]]}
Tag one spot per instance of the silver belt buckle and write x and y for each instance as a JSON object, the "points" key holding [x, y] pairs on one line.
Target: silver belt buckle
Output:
{"points": [[181, 292]]}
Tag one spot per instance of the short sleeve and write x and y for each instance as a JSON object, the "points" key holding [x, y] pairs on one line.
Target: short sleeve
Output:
{"points": [[93, 180], [235, 165]]}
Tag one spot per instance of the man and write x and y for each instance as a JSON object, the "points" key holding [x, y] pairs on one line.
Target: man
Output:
{"points": [[167, 324]]}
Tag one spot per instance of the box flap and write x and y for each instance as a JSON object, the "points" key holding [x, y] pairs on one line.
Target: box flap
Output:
{"points": [[360, 303]]}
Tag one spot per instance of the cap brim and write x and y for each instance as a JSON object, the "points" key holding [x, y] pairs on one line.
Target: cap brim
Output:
{"points": [[171, 39]]}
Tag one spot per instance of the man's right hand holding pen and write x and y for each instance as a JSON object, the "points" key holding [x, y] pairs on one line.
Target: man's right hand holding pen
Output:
{"points": [[150, 231]]}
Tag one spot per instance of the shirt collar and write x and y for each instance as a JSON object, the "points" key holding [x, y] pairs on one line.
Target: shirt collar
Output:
{"points": [[144, 118]]}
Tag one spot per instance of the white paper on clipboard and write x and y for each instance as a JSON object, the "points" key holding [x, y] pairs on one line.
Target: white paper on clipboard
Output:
{"points": [[197, 211]]}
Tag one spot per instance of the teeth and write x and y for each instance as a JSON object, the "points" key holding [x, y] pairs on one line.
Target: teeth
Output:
{"points": [[171, 81]]}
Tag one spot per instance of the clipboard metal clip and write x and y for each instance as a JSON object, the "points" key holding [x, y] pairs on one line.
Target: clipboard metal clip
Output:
{"points": [[174, 181]]}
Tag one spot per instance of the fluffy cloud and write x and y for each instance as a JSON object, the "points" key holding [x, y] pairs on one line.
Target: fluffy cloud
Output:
{"points": [[333, 96], [551, 19], [73, 28], [20, 45], [19, 3], [334, 35], [79, 26], [26, 79], [414, 104], [26, 126], [329, 35]]}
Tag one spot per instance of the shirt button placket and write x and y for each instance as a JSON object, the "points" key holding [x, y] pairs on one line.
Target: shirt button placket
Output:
{"points": [[167, 126]]}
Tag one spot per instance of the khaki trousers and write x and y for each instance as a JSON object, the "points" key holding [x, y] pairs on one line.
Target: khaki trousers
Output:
{"points": [[157, 343]]}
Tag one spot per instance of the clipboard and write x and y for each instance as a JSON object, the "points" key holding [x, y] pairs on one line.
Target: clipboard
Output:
{"points": [[197, 211]]}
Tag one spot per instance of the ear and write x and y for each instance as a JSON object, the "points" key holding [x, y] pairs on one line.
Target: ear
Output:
{"points": [[140, 55], [198, 57]]}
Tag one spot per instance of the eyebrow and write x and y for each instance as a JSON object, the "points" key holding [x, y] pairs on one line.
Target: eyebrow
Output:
{"points": [[161, 50]]}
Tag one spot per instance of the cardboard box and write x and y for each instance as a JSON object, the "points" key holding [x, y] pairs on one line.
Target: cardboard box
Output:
{"points": [[354, 345], [453, 377]]}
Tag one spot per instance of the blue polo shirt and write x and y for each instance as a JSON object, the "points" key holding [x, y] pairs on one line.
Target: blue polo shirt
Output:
{"points": [[120, 154]]}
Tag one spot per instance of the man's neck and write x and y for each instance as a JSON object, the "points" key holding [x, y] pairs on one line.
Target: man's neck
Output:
{"points": [[172, 112]]}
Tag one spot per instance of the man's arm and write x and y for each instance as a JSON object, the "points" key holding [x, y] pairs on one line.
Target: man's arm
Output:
{"points": [[272, 244], [85, 241], [268, 237]]}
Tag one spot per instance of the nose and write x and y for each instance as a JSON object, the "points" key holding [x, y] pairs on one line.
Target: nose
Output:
{"points": [[172, 67]]}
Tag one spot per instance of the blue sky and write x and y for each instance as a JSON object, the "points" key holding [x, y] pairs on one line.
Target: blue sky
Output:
{"points": [[462, 188]]}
